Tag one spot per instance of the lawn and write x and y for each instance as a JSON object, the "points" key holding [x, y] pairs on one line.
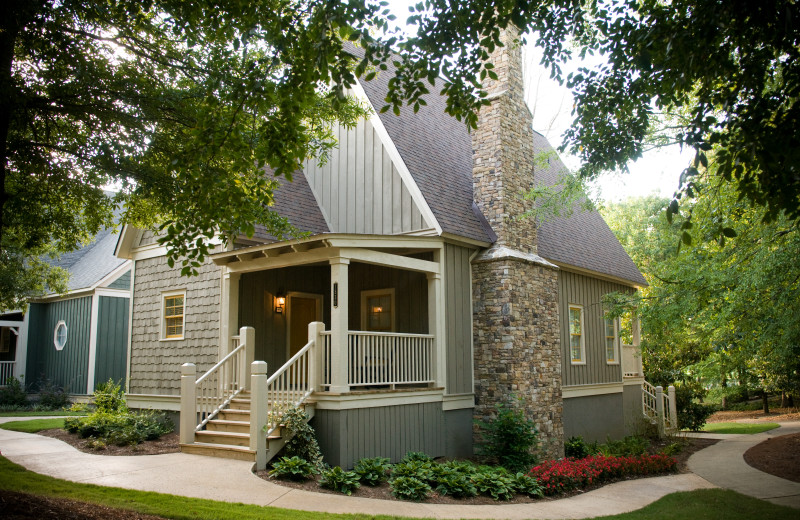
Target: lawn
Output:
{"points": [[697, 505], [33, 426], [737, 427], [40, 413]]}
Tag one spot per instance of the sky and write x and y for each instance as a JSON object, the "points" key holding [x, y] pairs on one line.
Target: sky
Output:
{"points": [[656, 172]]}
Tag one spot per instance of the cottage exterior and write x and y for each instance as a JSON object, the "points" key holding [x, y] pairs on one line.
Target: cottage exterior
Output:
{"points": [[418, 303], [77, 339]]}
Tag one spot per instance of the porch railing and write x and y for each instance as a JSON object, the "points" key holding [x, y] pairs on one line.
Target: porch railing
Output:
{"points": [[631, 361], [6, 372], [660, 407], [384, 358], [289, 386]]}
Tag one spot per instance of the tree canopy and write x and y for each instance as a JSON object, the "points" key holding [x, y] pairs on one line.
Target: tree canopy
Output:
{"points": [[183, 104]]}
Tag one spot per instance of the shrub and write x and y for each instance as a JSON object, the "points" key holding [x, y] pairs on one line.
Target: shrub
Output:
{"points": [[497, 483], [339, 480], [109, 397], [451, 481], [416, 456], [51, 396], [13, 395], [420, 469], [302, 440], [509, 438], [631, 445], [692, 416], [372, 471], [560, 476], [410, 488], [292, 468], [527, 485], [576, 448]]}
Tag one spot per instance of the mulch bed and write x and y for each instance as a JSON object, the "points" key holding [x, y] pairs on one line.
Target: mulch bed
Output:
{"points": [[775, 415], [166, 444], [779, 456], [18, 506], [383, 492]]}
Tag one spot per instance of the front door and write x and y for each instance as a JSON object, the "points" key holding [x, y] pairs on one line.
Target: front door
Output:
{"points": [[303, 309]]}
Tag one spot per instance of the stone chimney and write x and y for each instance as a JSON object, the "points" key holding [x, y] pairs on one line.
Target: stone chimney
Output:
{"points": [[516, 335]]}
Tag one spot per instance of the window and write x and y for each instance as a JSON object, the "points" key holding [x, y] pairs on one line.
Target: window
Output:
{"points": [[60, 335], [173, 312], [377, 310], [612, 340], [576, 340]]}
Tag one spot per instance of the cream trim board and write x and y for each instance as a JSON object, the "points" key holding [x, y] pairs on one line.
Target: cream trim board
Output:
{"points": [[458, 401], [90, 375], [112, 293], [350, 401], [582, 360], [154, 402], [378, 292], [163, 319], [568, 392], [633, 381]]}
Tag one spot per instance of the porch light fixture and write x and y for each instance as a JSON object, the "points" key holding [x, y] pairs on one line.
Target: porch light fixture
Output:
{"points": [[280, 302]]}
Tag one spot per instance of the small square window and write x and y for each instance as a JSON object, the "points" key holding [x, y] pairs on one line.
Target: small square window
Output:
{"points": [[173, 315], [577, 349]]}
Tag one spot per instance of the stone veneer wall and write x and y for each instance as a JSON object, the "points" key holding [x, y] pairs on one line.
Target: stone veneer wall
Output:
{"points": [[155, 364], [517, 345], [515, 293]]}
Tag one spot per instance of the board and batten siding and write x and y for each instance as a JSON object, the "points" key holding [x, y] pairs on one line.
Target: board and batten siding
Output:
{"points": [[458, 315], [345, 436], [68, 367], [112, 340], [123, 282], [155, 364], [574, 288], [359, 188]]}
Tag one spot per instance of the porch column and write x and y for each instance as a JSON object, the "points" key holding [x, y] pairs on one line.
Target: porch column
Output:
{"points": [[229, 311], [436, 326], [21, 354], [339, 319]]}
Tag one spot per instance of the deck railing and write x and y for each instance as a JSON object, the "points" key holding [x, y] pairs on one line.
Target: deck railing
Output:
{"points": [[6, 372], [631, 361], [384, 359], [660, 407]]}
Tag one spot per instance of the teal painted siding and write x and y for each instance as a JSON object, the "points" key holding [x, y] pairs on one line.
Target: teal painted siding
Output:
{"points": [[123, 282], [112, 339], [68, 367]]}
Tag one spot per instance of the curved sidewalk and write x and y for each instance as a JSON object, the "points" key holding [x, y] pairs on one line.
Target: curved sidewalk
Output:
{"points": [[232, 481], [724, 466]]}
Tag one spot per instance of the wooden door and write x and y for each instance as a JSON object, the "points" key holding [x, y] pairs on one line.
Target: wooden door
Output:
{"points": [[302, 311]]}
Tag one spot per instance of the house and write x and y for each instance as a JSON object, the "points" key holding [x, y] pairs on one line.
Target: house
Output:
{"points": [[418, 303], [77, 339]]}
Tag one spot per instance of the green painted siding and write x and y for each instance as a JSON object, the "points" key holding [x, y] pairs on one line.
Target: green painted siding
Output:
{"points": [[112, 339], [345, 436], [68, 367], [458, 315], [123, 282], [583, 290]]}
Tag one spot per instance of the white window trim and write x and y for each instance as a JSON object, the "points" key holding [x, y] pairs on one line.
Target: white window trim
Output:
{"points": [[583, 336], [616, 342], [375, 292], [55, 335], [163, 328]]}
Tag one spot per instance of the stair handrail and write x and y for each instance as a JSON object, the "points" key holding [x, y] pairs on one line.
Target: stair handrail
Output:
{"points": [[220, 385], [649, 406], [289, 386]]}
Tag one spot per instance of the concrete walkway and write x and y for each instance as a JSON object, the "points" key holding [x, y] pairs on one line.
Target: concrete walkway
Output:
{"points": [[724, 466], [232, 481]]}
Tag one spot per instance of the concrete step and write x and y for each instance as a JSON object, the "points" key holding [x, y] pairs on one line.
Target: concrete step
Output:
{"points": [[220, 450], [227, 438], [220, 425], [234, 415]]}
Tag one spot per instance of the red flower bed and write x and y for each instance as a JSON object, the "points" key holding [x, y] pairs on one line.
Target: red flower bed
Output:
{"points": [[559, 476]]}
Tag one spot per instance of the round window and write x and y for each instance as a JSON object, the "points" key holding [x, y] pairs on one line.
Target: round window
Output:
{"points": [[60, 335]]}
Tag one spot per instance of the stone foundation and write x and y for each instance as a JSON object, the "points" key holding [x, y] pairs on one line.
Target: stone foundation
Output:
{"points": [[517, 344]]}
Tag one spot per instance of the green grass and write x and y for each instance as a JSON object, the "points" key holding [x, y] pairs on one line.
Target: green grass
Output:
{"points": [[33, 425], [736, 427], [40, 413], [711, 504]]}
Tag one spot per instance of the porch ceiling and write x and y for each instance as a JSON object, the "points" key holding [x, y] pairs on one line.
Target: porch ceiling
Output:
{"points": [[371, 249]]}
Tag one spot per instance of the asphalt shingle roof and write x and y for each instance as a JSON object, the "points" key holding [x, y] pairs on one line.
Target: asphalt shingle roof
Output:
{"points": [[295, 201]]}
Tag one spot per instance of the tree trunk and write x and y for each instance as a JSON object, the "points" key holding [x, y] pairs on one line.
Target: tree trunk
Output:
{"points": [[765, 401]]}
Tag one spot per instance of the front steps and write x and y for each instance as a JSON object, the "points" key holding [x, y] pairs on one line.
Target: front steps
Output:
{"points": [[228, 434]]}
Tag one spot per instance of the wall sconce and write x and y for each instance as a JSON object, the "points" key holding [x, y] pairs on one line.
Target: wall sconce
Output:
{"points": [[280, 302]]}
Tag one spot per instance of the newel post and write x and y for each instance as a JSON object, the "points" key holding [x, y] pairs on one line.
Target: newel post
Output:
{"points": [[258, 412], [188, 418], [673, 409], [660, 410], [316, 359], [247, 337]]}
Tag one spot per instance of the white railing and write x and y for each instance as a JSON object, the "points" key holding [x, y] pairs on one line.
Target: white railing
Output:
{"points": [[631, 361], [384, 359], [289, 386], [649, 406], [6, 372], [660, 407]]}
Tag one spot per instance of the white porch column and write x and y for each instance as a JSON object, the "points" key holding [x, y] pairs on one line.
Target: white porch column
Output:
{"points": [[436, 326], [188, 403], [339, 318], [229, 311], [673, 409], [247, 337], [21, 354], [660, 410], [259, 413]]}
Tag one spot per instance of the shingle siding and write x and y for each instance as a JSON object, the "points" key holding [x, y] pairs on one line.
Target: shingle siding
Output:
{"points": [[155, 364]]}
